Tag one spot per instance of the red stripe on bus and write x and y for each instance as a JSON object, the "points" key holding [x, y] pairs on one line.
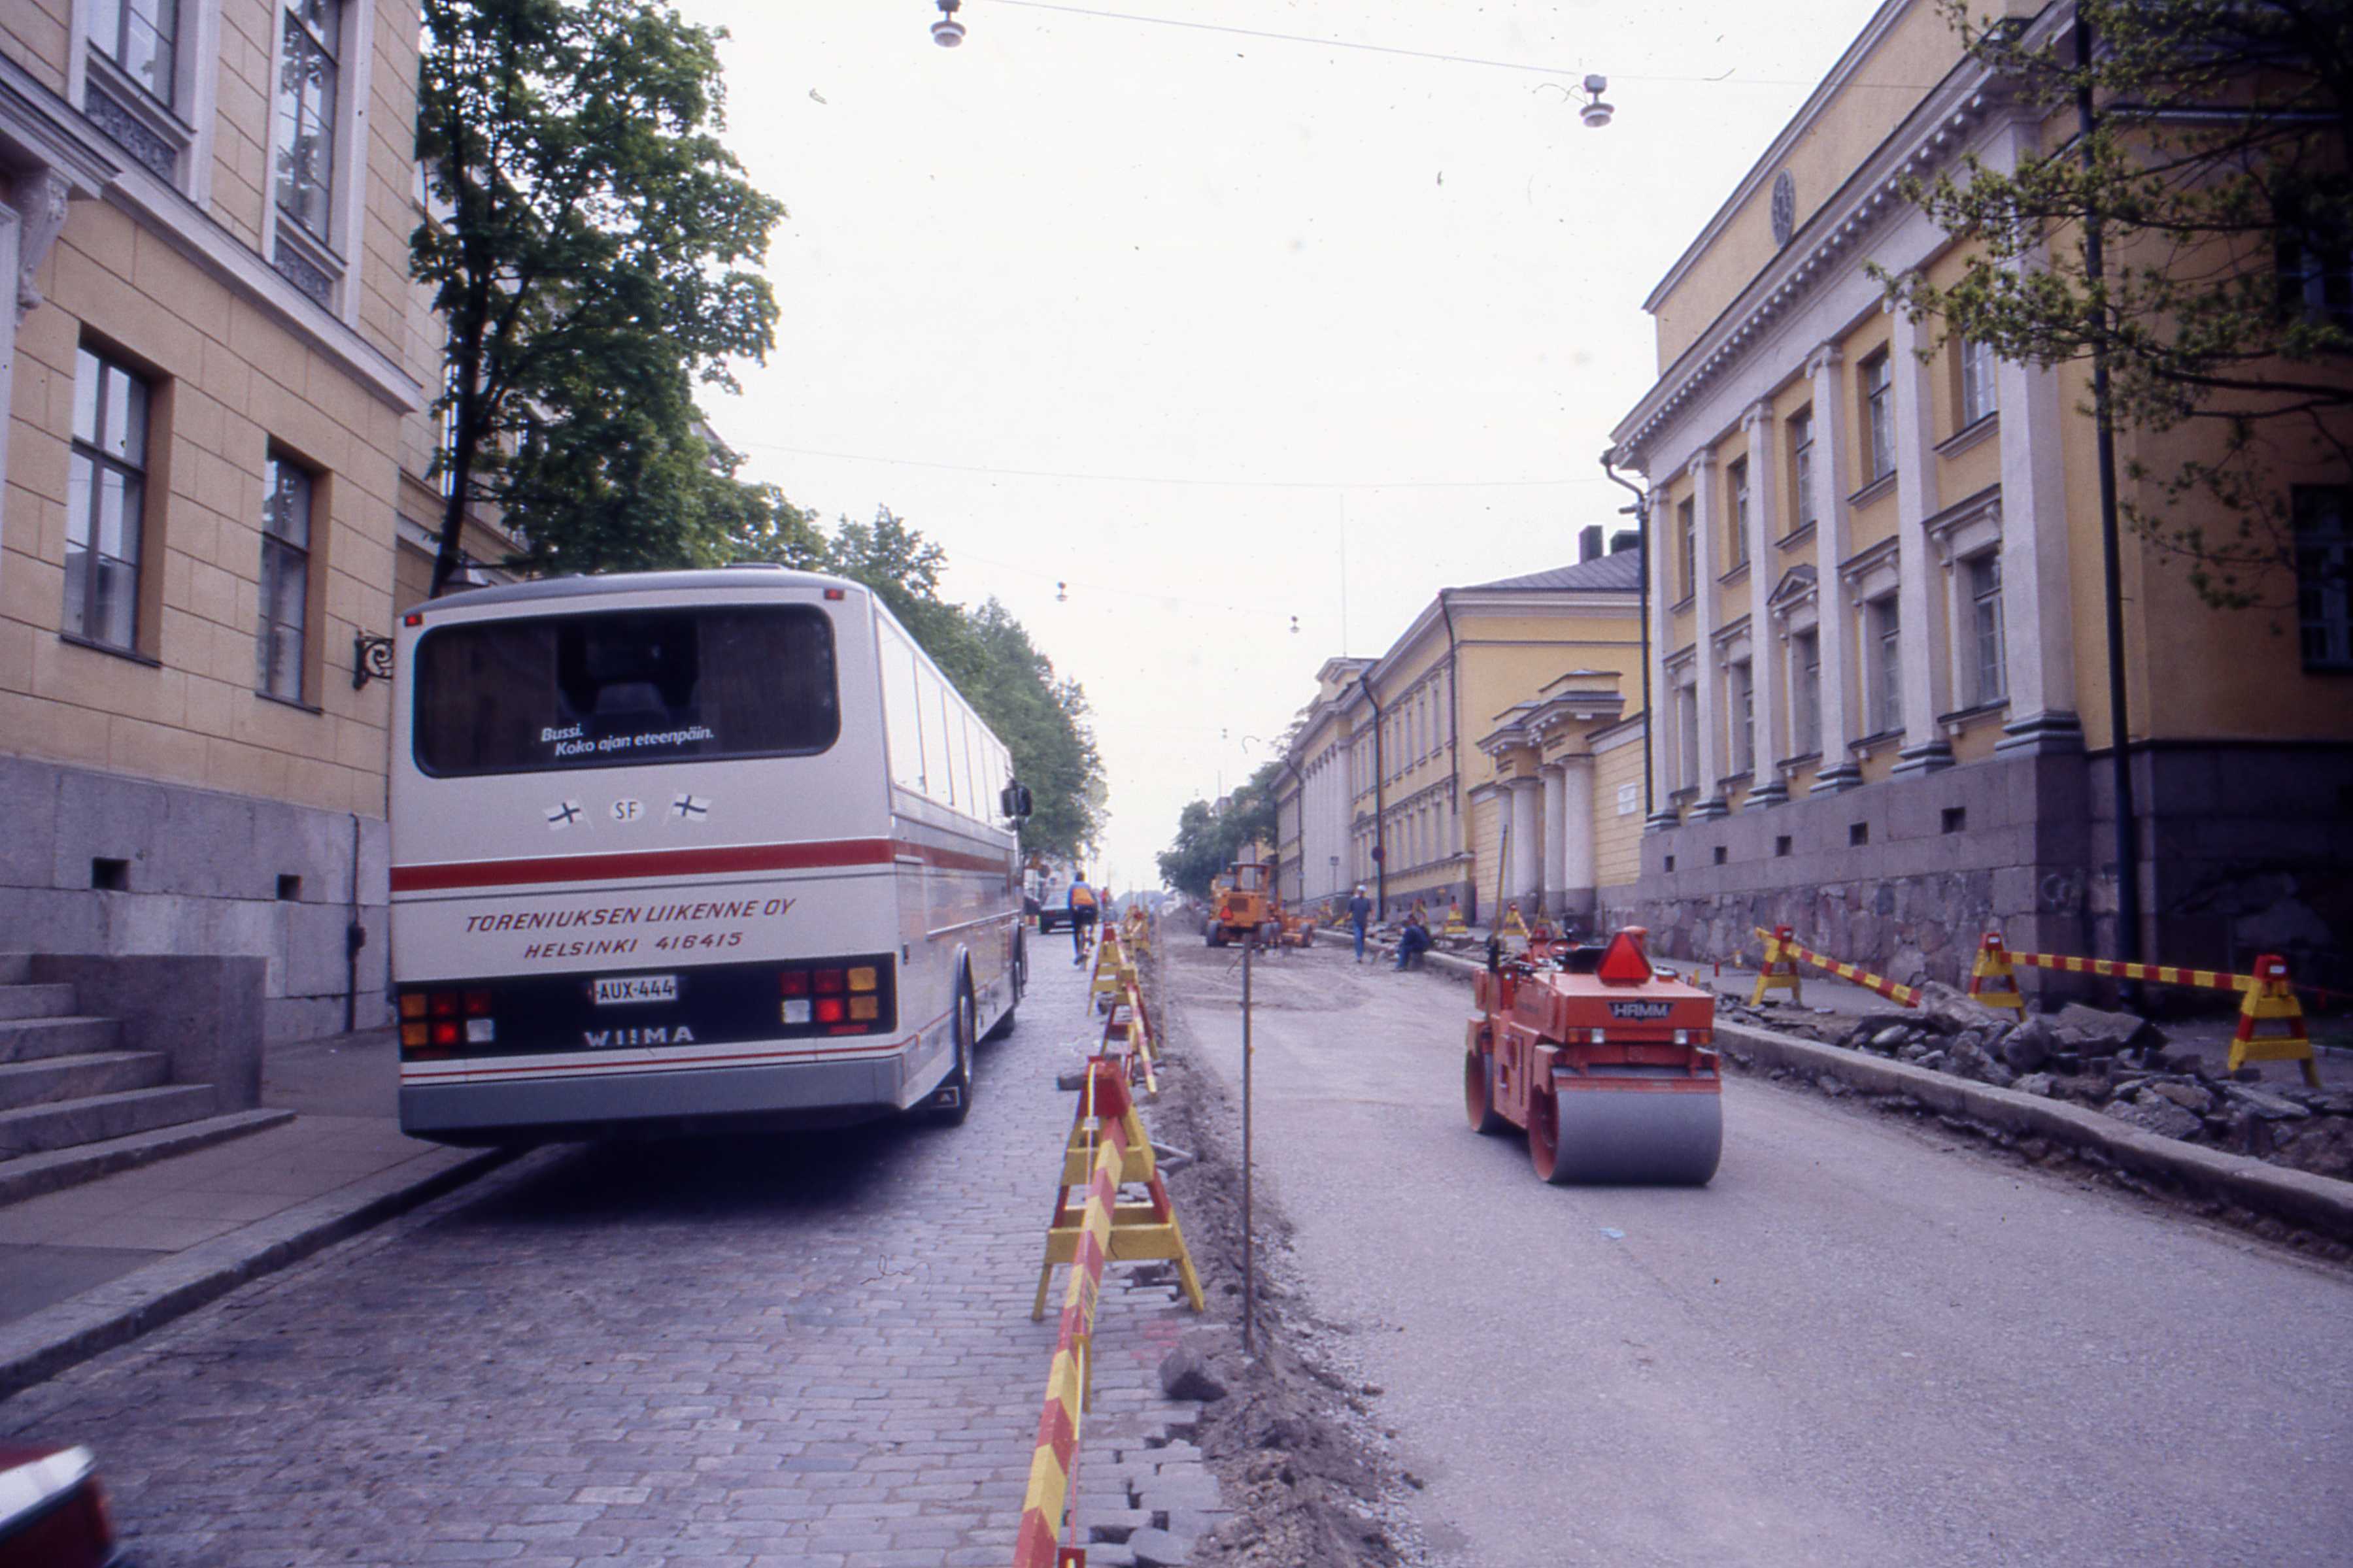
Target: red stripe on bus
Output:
{"points": [[721, 861]]}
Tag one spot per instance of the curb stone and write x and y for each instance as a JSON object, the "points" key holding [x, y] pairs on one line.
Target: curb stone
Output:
{"points": [[2319, 1203], [44, 1344]]}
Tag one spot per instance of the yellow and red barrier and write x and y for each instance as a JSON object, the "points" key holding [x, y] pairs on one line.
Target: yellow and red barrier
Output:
{"points": [[1107, 1149], [1905, 995], [1780, 969], [2268, 996]]}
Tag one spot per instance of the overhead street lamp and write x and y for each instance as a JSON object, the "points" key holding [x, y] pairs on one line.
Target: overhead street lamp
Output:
{"points": [[948, 32]]}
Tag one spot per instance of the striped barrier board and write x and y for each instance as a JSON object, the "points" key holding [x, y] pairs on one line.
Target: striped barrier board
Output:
{"points": [[1054, 1463], [1905, 995], [2113, 969]]}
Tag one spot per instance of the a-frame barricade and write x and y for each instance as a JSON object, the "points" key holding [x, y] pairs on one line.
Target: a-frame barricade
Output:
{"points": [[1992, 982], [1779, 972], [2269, 998], [1108, 1142]]}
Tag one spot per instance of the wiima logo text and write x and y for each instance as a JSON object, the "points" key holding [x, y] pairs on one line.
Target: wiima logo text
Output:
{"points": [[602, 1040]]}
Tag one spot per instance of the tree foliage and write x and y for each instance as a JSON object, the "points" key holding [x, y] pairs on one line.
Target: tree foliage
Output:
{"points": [[592, 251], [2220, 174], [985, 653], [1206, 844]]}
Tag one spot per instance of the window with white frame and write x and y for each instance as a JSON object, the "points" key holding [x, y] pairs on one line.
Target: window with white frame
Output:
{"points": [[1977, 380], [1802, 465], [1744, 718], [2315, 278], [1887, 643], [1878, 417], [142, 37], [1806, 693], [2324, 560], [1683, 523], [303, 141], [106, 498], [278, 643], [1988, 668], [1737, 474], [1687, 737]]}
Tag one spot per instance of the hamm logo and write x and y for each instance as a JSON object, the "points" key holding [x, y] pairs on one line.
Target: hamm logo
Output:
{"points": [[1641, 1009], [603, 1039]]}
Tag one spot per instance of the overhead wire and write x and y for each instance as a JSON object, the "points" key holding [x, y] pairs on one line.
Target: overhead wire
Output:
{"points": [[1207, 482]]}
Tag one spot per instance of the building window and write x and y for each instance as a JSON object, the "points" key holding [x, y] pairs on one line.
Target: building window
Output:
{"points": [[1977, 380], [1738, 475], [1887, 700], [1743, 718], [1989, 671], [1687, 704], [1806, 694], [1690, 558], [142, 37], [2315, 279], [2323, 557], [287, 493], [305, 140], [106, 494], [1878, 418], [1802, 465]]}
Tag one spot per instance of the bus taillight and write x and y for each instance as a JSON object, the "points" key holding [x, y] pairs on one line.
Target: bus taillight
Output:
{"points": [[435, 1023], [839, 997]]}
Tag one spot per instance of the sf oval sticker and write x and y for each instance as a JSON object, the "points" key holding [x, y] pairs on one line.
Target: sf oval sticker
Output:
{"points": [[628, 810]]}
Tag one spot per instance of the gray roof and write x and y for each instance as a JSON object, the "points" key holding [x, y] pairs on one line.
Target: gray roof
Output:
{"points": [[1619, 572]]}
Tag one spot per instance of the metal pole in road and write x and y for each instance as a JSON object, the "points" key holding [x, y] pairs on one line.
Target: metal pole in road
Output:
{"points": [[1249, 1252]]}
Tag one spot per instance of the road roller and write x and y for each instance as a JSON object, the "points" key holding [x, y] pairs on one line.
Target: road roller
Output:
{"points": [[1609, 1065]]}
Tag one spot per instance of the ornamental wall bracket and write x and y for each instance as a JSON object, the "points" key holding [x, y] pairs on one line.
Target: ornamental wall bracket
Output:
{"points": [[371, 658]]}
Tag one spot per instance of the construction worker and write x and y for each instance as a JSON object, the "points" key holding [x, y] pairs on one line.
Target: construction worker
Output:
{"points": [[1413, 941], [1083, 913], [1360, 910]]}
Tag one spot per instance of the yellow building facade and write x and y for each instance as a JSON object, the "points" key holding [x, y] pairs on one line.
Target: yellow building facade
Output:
{"points": [[1482, 760], [204, 385], [1879, 618]]}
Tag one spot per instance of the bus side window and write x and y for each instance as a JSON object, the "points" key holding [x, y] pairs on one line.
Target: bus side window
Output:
{"points": [[935, 735], [953, 793], [902, 707]]}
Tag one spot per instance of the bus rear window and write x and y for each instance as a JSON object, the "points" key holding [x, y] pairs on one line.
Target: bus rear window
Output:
{"points": [[626, 687]]}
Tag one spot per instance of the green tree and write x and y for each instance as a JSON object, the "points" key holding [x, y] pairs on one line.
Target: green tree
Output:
{"points": [[985, 653], [592, 253], [2220, 175], [1206, 844]]}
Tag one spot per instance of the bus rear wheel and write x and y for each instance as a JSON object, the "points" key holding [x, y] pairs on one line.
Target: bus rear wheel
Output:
{"points": [[1004, 1025], [952, 1101]]}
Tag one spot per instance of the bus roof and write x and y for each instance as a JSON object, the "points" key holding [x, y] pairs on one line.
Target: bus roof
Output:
{"points": [[723, 579]]}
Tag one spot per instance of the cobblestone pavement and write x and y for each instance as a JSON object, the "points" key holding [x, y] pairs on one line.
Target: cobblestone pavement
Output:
{"points": [[810, 1350]]}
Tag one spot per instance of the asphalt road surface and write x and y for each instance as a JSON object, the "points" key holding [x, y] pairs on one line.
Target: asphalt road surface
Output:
{"points": [[1864, 1343]]}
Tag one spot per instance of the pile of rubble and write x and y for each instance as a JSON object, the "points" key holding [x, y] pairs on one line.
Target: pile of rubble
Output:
{"points": [[2114, 1062]]}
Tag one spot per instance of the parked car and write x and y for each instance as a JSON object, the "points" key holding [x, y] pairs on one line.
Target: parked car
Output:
{"points": [[52, 1508]]}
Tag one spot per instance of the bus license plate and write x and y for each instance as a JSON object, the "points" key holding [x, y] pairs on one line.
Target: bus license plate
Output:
{"points": [[637, 988]]}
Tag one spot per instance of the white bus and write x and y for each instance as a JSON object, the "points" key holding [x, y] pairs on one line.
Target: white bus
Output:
{"points": [[690, 851]]}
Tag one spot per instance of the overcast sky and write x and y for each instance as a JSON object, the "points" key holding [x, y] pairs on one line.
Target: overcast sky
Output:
{"points": [[1219, 328]]}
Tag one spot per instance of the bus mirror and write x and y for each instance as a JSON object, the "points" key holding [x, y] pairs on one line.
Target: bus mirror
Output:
{"points": [[1014, 801]]}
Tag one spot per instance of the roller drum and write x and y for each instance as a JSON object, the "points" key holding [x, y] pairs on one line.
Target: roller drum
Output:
{"points": [[1641, 1134]]}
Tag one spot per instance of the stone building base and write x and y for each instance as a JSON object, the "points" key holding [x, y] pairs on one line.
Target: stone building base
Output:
{"points": [[2244, 850], [99, 863]]}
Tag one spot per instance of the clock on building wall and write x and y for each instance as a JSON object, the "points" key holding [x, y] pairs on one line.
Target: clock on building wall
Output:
{"points": [[1784, 207]]}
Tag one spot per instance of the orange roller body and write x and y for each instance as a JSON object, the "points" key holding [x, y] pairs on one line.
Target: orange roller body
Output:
{"points": [[1610, 1067]]}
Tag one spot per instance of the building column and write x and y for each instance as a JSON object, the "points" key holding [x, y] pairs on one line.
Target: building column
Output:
{"points": [[1832, 544], [1919, 598], [1706, 495], [1554, 833], [1576, 857], [1657, 525], [1526, 876], [2038, 615], [1765, 786]]}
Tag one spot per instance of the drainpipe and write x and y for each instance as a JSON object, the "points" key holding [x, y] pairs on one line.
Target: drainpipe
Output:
{"points": [[1454, 721], [1380, 803], [2111, 562], [1642, 514]]}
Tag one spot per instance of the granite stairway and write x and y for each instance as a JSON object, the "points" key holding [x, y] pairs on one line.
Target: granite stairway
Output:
{"points": [[75, 1104]]}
